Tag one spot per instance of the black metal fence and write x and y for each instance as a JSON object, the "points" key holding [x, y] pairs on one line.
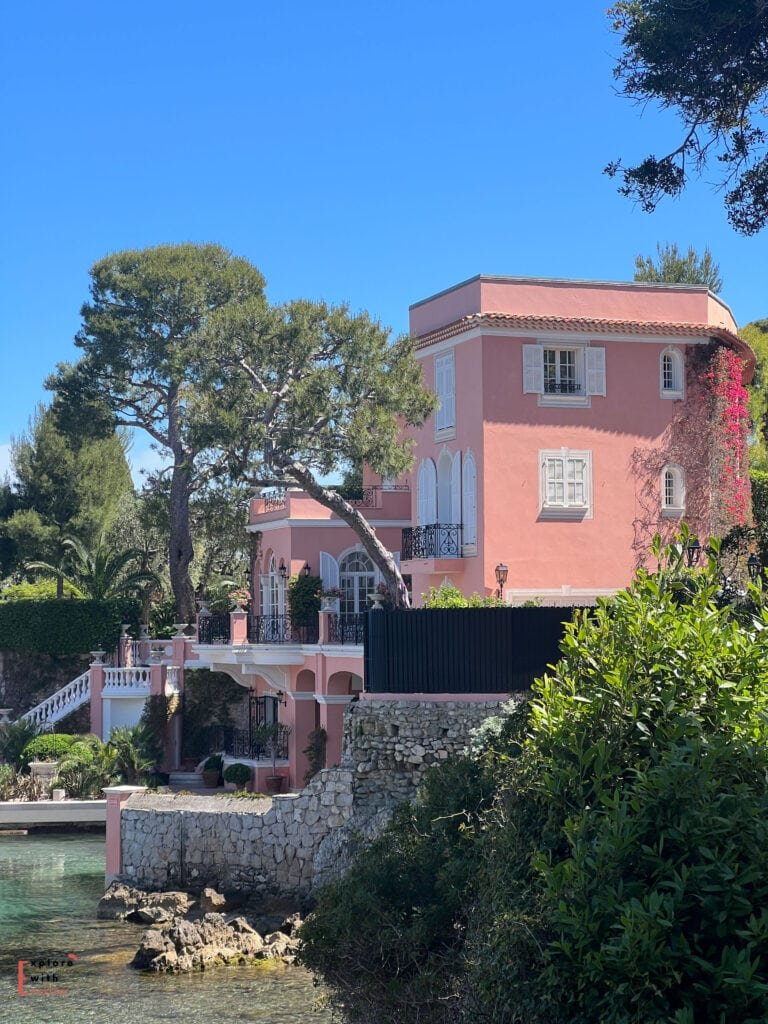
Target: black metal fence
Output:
{"points": [[348, 628], [278, 629], [461, 650], [434, 541], [213, 629]]}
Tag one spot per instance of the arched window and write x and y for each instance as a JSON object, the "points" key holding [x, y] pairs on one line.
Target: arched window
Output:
{"points": [[470, 501], [671, 373], [672, 491], [357, 578], [426, 511]]}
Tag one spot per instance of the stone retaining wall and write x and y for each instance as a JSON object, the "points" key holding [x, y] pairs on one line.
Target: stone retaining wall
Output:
{"points": [[302, 839]]}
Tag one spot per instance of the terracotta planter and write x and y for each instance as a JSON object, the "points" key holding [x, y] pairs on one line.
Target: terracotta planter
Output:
{"points": [[274, 784]]}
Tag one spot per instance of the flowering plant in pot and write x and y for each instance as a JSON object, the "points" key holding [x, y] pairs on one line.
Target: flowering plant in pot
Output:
{"points": [[272, 737]]}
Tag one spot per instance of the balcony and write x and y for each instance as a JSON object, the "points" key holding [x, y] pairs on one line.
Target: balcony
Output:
{"points": [[436, 541], [213, 629], [278, 629]]}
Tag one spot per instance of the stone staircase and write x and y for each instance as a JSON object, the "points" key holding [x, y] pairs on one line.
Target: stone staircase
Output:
{"points": [[186, 780], [65, 700]]}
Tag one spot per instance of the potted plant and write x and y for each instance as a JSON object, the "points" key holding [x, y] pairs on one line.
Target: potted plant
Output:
{"points": [[329, 599], [272, 737], [212, 771], [237, 776]]}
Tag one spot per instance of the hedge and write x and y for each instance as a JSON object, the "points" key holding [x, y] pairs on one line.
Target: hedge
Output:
{"points": [[64, 626]]}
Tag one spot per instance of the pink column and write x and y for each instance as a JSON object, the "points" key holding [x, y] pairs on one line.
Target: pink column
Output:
{"points": [[96, 672], [332, 720], [116, 797], [156, 680], [238, 627], [325, 620]]}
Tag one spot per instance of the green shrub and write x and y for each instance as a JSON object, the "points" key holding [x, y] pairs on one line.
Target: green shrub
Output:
{"points": [[213, 763], [49, 747], [603, 860], [447, 595], [40, 590], [385, 937], [238, 774], [13, 739], [303, 600], [64, 627]]}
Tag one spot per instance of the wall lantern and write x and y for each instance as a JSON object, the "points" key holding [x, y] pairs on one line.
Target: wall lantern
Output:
{"points": [[282, 570], [307, 570], [501, 571], [280, 697], [754, 567], [693, 552]]}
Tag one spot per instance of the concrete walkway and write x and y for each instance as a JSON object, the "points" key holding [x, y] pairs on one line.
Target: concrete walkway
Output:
{"points": [[34, 814]]}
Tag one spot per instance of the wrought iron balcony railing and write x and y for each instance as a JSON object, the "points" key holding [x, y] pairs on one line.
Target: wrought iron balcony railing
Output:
{"points": [[347, 628], [564, 387], [213, 629], [435, 541], [278, 629]]}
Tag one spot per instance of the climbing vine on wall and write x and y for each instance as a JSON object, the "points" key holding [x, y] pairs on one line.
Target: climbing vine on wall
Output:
{"points": [[729, 423]]}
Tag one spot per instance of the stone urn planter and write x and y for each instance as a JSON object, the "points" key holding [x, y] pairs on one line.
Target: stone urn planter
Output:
{"points": [[212, 772]]}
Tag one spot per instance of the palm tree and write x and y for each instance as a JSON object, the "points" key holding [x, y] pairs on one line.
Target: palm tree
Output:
{"points": [[129, 748], [100, 573]]}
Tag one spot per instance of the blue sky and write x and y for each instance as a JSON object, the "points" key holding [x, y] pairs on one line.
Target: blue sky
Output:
{"points": [[368, 152]]}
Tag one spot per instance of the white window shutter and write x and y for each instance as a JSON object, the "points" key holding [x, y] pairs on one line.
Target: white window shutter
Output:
{"points": [[440, 392], [469, 510], [422, 496], [456, 489], [329, 570], [533, 370], [595, 371], [396, 558], [450, 392], [431, 493]]}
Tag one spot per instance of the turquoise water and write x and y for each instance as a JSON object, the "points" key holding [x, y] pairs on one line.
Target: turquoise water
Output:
{"points": [[49, 888]]}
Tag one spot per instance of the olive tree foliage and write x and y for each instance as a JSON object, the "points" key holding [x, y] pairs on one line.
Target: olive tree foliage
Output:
{"points": [[320, 389], [707, 60], [144, 339], [670, 266]]}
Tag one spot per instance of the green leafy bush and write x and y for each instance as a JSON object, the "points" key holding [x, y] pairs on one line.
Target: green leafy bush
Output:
{"points": [[606, 865], [447, 595], [14, 736], [303, 600], [315, 753], [40, 590], [238, 774], [386, 936], [49, 747], [64, 627]]}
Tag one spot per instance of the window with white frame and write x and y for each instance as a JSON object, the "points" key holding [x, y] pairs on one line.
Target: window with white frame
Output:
{"points": [[357, 576], [445, 389], [566, 483], [672, 491], [565, 374], [671, 373]]}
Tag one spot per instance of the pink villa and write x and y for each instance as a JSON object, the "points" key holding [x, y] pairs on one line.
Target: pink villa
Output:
{"points": [[577, 419]]}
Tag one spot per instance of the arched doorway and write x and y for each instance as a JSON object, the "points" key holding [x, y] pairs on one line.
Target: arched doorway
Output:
{"points": [[357, 579]]}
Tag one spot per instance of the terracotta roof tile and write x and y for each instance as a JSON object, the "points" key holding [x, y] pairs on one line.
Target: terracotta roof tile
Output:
{"points": [[590, 325]]}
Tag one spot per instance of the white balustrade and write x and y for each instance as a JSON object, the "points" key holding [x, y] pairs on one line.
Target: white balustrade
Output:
{"points": [[59, 704], [126, 681]]}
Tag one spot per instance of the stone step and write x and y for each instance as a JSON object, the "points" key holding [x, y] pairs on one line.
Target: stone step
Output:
{"points": [[186, 780]]}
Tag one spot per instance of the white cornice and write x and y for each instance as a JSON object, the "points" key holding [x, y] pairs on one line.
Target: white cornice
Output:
{"points": [[573, 337]]}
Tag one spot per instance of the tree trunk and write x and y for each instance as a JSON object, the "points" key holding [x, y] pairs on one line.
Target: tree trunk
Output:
{"points": [[180, 551], [382, 558]]}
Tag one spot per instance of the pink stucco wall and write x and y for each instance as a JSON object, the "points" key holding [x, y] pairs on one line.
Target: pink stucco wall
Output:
{"points": [[541, 297]]}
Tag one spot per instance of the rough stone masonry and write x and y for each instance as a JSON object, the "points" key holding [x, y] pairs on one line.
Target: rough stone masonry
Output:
{"points": [[305, 839]]}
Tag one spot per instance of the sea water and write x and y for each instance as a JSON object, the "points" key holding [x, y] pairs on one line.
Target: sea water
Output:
{"points": [[74, 968]]}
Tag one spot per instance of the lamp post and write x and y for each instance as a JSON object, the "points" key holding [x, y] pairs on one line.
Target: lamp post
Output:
{"points": [[501, 571]]}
